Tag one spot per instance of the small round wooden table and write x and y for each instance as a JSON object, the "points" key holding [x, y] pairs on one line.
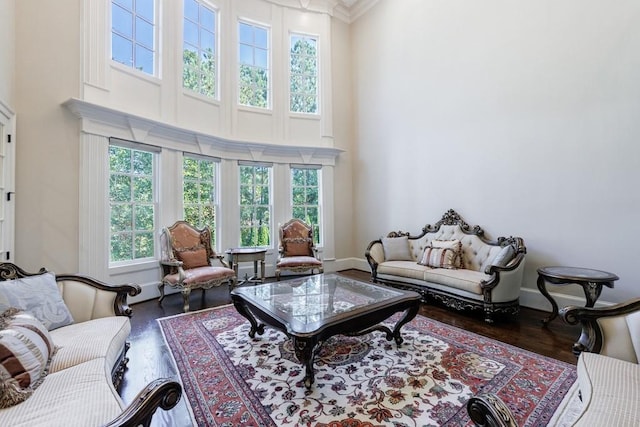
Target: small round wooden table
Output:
{"points": [[255, 255], [591, 281]]}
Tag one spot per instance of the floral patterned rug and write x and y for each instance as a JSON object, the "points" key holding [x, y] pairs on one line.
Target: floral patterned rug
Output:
{"points": [[230, 379]]}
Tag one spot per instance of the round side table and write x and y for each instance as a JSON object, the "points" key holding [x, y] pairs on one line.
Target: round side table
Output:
{"points": [[591, 281]]}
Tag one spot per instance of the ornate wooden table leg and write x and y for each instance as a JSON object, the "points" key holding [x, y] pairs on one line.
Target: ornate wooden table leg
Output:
{"points": [[592, 292], [408, 317], [304, 353], [255, 326], [554, 306]]}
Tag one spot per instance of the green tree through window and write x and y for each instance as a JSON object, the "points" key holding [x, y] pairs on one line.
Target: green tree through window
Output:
{"points": [[305, 192], [131, 201], [255, 206], [199, 193], [304, 75], [253, 68], [199, 60]]}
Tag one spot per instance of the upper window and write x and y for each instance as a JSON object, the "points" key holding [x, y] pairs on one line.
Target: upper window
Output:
{"points": [[305, 200], [255, 205], [253, 65], [133, 34], [132, 203], [199, 177], [303, 87], [199, 54]]}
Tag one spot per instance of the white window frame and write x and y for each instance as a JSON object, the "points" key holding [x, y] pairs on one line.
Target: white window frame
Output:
{"points": [[216, 41], [317, 74], [155, 151], [267, 28], [269, 166], [154, 48], [317, 233], [216, 194]]}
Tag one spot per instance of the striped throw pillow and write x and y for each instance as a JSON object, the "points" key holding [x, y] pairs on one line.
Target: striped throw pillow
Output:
{"points": [[26, 348], [455, 245], [439, 258]]}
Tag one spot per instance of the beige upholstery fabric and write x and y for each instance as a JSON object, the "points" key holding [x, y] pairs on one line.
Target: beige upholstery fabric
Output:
{"points": [[621, 337], [100, 338], [83, 396], [467, 280], [403, 268], [610, 391], [85, 302]]}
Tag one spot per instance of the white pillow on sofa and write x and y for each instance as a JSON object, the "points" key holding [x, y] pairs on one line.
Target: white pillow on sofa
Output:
{"points": [[39, 295], [396, 249]]}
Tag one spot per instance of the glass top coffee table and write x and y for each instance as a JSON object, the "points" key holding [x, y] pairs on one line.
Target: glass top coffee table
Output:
{"points": [[312, 309]]}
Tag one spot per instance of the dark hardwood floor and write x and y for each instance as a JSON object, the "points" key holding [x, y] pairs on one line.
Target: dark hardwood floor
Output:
{"points": [[150, 359]]}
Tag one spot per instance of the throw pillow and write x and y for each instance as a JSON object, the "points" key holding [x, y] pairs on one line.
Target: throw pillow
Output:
{"points": [[26, 349], [396, 249], [296, 247], [39, 295], [193, 258], [438, 258], [455, 245], [505, 255]]}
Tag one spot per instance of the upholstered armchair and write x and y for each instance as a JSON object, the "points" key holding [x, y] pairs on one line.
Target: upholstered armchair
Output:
{"points": [[297, 252], [188, 261], [608, 382]]}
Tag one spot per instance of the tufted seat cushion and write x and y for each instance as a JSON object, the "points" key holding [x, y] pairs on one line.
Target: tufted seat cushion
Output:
{"points": [[610, 390], [197, 276]]}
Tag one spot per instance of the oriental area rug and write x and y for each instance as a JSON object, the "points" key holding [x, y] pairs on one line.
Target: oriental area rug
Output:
{"points": [[230, 379]]}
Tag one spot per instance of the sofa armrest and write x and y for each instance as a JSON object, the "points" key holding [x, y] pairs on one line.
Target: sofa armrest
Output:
{"points": [[89, 298], [488, 410], [374, 255], [161, 393], [592, 336]]}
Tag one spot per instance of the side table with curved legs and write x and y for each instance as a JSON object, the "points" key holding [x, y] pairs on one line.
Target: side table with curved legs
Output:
{"points": [[591, 281]]}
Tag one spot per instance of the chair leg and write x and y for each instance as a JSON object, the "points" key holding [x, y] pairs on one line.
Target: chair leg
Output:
{"points": [[185, 298], [161, 289], [277, 274]]}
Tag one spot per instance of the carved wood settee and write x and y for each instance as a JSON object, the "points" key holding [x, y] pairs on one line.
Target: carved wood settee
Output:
{"points": [[607, 391], [81, 346], [453, 263]]}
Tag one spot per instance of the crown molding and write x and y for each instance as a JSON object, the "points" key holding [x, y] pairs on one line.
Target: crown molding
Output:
{"points": [[344, 10], [108, 122]]}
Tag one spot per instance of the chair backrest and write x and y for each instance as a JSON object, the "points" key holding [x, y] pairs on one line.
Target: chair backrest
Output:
{"points": [[296, 239], [184, 242]]}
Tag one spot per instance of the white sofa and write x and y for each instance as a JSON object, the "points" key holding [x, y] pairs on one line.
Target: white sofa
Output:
{"points": [[80, 388], [607, 391], [489, 277]]}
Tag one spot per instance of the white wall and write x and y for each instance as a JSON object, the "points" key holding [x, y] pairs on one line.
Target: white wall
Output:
{"points": [[47, 64], [522, 116], [7, 51]]}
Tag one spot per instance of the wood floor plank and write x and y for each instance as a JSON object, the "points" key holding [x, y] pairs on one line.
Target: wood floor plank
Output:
{"points": [[149, 358]]}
